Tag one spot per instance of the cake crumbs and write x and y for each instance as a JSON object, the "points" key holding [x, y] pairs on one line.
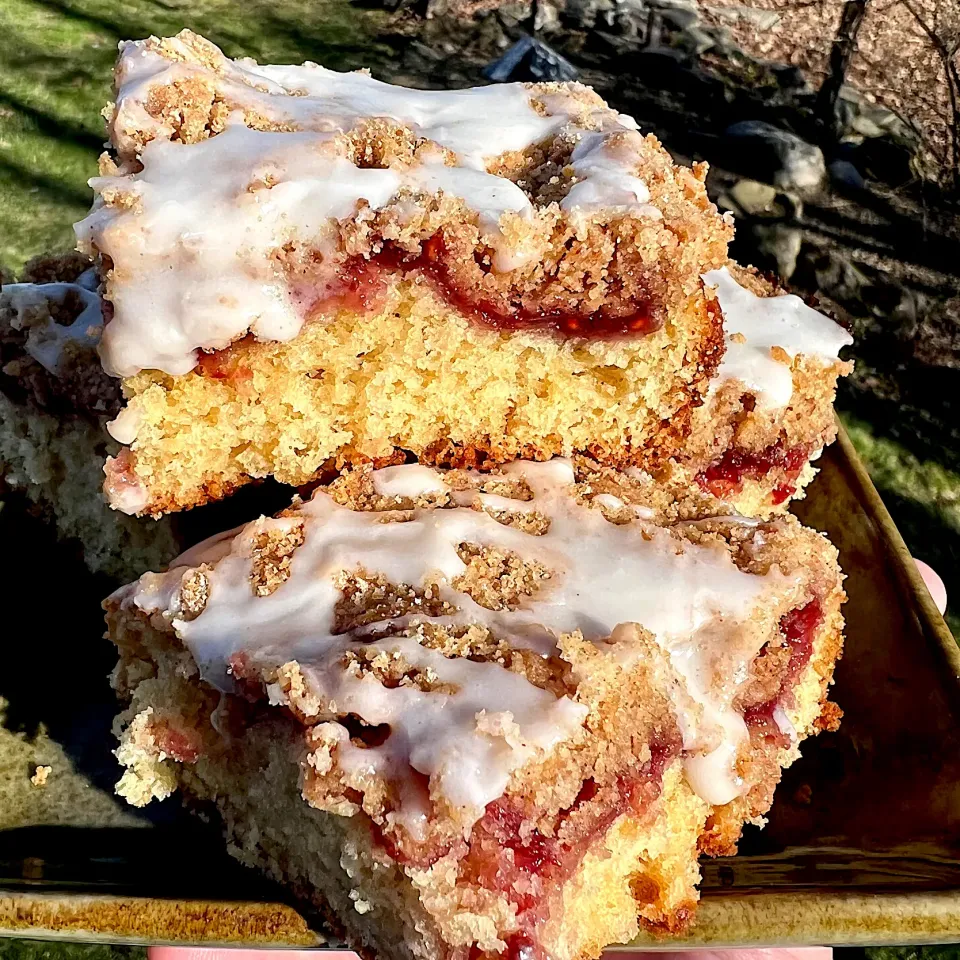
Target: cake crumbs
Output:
{"points": [[40, 775]]}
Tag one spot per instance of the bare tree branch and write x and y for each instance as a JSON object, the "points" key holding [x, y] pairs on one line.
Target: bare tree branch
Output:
{"points": [[841, 53], [953, 88]]}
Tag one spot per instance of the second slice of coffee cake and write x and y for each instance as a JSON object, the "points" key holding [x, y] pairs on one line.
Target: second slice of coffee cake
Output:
{"points": [[768, 411], [471, 715], [55, 401]]}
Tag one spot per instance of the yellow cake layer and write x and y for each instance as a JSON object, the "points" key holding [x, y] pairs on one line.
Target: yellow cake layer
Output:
{"points": [[416, 376]]}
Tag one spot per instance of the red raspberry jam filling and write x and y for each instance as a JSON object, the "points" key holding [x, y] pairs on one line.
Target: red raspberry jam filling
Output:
{"points": [[432, 264], [226, 364], [798, 627], [506, 854], [360, 285], [725, 477], [183, 746], [509, 856]]}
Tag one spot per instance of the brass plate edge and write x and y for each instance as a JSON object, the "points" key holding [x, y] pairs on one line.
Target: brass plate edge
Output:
{"points": [[827, 919], [114, 919], [925, 609]]}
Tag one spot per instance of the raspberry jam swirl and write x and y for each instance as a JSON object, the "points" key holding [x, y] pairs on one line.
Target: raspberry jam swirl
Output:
{"points": [[726, 476], [799, 629]]}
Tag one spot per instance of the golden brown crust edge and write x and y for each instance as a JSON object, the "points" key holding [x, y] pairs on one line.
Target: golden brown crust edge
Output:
{"points": [[725, 826]]}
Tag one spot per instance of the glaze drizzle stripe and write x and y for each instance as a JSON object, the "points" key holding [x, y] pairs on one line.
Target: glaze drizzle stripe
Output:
{"points": [[709, 617]]}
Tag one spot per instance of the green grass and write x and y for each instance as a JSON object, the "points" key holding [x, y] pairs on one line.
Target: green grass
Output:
{"points": [[913, 953], [924, 498], [927, 484], [56, 64], [14, 949]]}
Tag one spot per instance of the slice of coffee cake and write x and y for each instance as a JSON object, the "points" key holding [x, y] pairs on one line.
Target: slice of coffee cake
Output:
{"points": [[54, 403], [306, 268], [769, 408], [472, 715]]}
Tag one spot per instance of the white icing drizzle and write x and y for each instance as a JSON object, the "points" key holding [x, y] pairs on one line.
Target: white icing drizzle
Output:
{"points": [[602, 166], [194, 240], [784, 723], [713, 775], [445, 736], [754, 325], [407, 481], [125, 427], [48, 342], [197, 246], [696, 602], [474, 123], [129, 498]]}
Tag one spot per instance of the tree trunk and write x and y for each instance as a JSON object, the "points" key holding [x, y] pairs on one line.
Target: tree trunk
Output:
{"points": [[844, 46], [534, 13], [948, 57]]}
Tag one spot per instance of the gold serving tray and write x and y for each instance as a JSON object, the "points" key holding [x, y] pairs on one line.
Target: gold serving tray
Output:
{"points": [[862, 844]]}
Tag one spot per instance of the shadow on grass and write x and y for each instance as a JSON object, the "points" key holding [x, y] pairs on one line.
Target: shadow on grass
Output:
{"points": [[901, 234], [921, 415], [76, 705], [53, 126], [326, 47], [907, 380], [334, 33], [136, 861], [120, 26], [68, 12], [60, 191]]}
